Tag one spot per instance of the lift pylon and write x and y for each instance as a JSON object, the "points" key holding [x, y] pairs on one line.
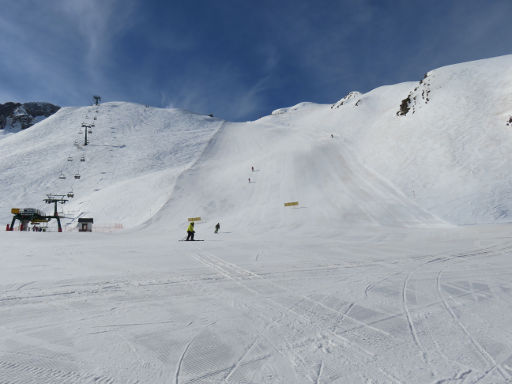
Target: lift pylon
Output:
{"points": [[54, 199]]}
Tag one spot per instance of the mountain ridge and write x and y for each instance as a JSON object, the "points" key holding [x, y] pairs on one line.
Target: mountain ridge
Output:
{"points": [[354, 162]]}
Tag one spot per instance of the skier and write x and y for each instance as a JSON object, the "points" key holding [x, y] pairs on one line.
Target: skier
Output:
{"points": [[252, 169], [249, 179], [332, 136], [217, 227], [190, 231]]}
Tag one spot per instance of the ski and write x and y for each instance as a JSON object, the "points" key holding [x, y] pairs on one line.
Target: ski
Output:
{"points": [[190, 240]]}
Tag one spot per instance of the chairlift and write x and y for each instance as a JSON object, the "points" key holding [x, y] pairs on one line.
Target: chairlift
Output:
{"points": [[82, 158], [89, 131], [70, 158], [76, 142], [62, 176], [71, 194], [77, 175]]}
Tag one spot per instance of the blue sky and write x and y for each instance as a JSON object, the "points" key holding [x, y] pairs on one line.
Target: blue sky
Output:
{"points": [[236, 59]]}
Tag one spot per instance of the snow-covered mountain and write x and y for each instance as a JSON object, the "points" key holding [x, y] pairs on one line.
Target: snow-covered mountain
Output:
{"points": [[431, 152], [365, 281], [16, 116]]}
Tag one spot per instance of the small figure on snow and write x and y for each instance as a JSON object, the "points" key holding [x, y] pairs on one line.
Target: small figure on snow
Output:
{"points": [[217, 227], [249, 180], [252, 169], [190, 232], [332, 136]]}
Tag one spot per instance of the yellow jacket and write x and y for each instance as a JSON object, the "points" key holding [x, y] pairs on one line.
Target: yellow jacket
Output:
{"points": [[190, 227]]}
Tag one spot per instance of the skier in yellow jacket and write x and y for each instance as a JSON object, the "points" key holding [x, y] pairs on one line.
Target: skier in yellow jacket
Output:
{"points": [[190, 231]]}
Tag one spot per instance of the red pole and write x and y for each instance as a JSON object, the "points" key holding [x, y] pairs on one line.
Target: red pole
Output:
{"points": [[7, 227]]}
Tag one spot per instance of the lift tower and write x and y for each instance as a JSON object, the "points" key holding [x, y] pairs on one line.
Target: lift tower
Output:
{"points": [[54, 199], [87, 128]]}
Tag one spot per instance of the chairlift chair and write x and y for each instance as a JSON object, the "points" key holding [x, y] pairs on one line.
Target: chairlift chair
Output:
{"points": [[71, 194], [77, 176], [82, 158], [70, 158], [76, 142], [62, 176], [89, 131]]}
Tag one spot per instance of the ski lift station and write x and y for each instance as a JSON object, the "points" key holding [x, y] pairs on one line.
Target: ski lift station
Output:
{"points": [[26, 216], [85, 224]]}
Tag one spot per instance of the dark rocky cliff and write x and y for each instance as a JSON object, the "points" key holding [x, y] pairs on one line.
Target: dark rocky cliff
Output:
{"points": [[22, 116]]}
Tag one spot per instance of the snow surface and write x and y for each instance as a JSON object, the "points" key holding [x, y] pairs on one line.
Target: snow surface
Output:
{"points": [[370, 279]]}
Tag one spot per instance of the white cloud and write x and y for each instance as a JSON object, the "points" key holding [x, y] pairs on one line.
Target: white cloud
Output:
{"points": [[98, 22]]}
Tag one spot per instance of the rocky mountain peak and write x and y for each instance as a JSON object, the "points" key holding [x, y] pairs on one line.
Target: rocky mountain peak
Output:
{"points": [[22, 116]]}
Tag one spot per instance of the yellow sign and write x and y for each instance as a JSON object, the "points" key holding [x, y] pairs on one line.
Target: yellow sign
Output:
{"points": [[291, 203], [194, 219], [15, 211]]}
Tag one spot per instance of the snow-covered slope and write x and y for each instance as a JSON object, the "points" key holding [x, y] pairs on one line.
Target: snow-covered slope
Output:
{"points": [[448, 155], [408, 154], [131, 163], [293, 161], [274, 297], [452, 152]]}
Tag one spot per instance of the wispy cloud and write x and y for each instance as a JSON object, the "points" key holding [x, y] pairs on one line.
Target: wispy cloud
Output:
{"points": [[61, 46], [98, 23]]}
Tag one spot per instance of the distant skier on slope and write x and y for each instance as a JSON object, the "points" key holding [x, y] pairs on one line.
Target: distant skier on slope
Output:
{"points": [[190, 232], [217, 227]]}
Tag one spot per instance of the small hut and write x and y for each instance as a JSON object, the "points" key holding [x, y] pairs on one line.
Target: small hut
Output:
{"points": [[85, 224]]}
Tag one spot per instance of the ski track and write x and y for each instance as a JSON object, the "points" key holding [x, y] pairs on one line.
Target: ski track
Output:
{"points": [[478, 347], [240, 359], [239, 275], [180, 361], [254, 275], [18, 373], [295, 312]]}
